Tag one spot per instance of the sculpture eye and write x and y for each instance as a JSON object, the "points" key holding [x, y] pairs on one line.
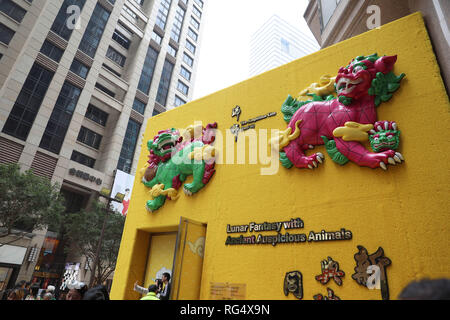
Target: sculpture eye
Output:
{"points": [[376, 139], [390, 136], [357, 69]]}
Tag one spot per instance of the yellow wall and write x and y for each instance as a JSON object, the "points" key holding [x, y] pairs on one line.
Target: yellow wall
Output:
{"points": [[405, 209], [160, 256]]}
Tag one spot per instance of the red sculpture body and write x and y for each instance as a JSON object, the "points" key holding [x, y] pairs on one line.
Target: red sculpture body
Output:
{"points": [[356, 102]]}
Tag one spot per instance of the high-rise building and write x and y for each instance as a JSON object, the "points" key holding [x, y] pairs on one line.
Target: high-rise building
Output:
{"points": [[332, 21], [276, 43], [78, 81]]}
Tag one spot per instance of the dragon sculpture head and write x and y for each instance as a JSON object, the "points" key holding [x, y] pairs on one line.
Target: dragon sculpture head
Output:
{"points": [[163, 145], [356, 80]]}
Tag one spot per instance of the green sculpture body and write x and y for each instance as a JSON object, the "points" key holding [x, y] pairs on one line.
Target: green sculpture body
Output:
{"points": [[174, 157]]}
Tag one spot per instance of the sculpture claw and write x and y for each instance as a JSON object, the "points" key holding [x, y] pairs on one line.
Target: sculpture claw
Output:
{"points": [[187, 192], [383, 166], [398, 154], [392, 161], [397, 159]]}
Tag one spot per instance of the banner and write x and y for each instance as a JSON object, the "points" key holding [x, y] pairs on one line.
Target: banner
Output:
{"points": [[123, 186]]}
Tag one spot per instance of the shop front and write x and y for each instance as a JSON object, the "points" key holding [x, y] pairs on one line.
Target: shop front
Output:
{"points": [[310, 181], [11, 259]]}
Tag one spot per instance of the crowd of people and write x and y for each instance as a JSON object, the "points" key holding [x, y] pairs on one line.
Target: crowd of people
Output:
{"points": [[76, 291], [425, 289], [23, 290]]}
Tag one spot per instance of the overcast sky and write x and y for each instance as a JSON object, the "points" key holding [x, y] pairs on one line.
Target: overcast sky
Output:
{"points": [[228, 27]]}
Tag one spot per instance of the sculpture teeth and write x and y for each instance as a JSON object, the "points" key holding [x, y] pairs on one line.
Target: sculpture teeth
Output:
{"points": [[394, 126]]}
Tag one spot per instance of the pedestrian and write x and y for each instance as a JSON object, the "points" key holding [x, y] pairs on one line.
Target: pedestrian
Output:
{"points": [[34, 290], [152, 291], [48, 296], [165, 293], [21, 286], [15, 294], [426, 289], [27, 289], [144, 291], [62, 295], [50, 290], [76, 291], [97, 293]]}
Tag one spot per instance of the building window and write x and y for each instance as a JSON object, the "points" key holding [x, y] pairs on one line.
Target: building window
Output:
{"points": [[115, 56], [121, 39], [52, 51], [59, 121], [164, 83], [89, 138], [105, 90], [62, 25], [185, 73], [172, 51], [195, 23], [183, 88], [82, 159], [326, 9], [148, 70], [12, 10], [192, 34], [163, 11], [94, 31], [156, 37], [28, 102], [285, 46], [6, 34], [197, 12], [129, 146], [95, 114], [190, 46], [188, 60], [200, 3], [179, 101], [155, 112], [130, 12], [111, 70], [139, 106], [79, 68], [178, 24]]}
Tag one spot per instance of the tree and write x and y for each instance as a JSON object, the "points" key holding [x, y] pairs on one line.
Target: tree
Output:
{"points": [[83, 229], [27, 202]]}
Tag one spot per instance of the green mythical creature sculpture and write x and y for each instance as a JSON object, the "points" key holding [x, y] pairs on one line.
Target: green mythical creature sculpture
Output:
{"points": [[173, 157]]}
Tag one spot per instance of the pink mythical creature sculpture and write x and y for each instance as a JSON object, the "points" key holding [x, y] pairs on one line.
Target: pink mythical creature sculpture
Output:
{"points": [[361, 87]]}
